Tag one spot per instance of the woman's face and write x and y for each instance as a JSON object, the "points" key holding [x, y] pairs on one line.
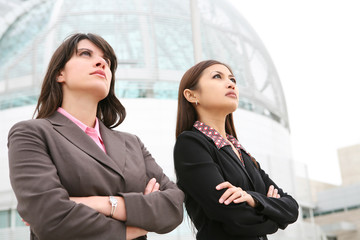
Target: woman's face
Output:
{"points": [[217, 90], [86, 73]]}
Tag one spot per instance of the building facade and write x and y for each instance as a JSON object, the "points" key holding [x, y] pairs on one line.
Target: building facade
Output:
{"points": [[156, 41], [337, 209]]}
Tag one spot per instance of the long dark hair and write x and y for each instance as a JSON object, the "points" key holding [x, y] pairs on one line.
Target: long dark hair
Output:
{"points": [[186, 113], [110, 111]]}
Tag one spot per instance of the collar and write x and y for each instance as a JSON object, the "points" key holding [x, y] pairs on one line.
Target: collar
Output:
{"points": [[81, 125], [217, 138]]}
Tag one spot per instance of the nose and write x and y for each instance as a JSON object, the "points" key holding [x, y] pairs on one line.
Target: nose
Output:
{"points": [[100, 62], [231, 84]]}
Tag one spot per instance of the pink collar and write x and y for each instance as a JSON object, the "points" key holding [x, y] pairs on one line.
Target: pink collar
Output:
{"points": [[85, 128]]}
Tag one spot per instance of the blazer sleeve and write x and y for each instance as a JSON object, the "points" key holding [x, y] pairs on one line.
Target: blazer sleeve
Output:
{"points": [[283, 210], [198, 175], [160, 211], [42, 200]]}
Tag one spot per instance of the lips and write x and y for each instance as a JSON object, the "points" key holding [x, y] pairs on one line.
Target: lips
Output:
{"points": [[99, 73], [231, 94]]}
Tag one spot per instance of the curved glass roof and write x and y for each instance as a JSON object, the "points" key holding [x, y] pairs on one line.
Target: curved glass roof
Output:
{"points": [[154, 44]]}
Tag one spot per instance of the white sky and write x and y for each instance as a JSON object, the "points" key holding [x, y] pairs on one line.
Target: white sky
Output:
{"points": [[315, 46]]}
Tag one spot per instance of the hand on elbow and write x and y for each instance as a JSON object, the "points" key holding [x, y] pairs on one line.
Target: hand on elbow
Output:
{"points": [[273, 192], [234, 194], [152, 186], [134, 232]]}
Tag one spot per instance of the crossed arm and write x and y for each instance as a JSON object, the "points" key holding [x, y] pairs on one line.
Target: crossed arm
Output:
{"points": [[237, 195], [101, 204], [200, 176]]}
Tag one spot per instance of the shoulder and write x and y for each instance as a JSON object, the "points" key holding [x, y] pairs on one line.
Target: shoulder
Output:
{"points": [[33, 125], [29, 131], [193, 135], [192, 139]]}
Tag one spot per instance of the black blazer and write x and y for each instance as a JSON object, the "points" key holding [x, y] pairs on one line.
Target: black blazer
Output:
{"points": [[200, 167]]}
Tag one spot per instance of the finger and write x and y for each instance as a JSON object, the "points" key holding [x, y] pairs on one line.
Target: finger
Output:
{"points": [[278, 196], [242, 198], [275, 193], [75, 199], [149, 187], [270, 192], [232, 197], [223, 185], [156, 187], [226, 194]]}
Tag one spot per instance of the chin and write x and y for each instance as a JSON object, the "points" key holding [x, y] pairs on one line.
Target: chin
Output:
{"points": [[100, 94], [233, 106], [230, 108]]}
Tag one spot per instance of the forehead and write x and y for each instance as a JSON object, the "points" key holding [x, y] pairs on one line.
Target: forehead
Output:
{"points": [[85, 43], [217, 68]]}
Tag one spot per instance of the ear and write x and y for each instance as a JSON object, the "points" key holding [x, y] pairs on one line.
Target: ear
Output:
{"points": [[60, 78], [190, 96]]}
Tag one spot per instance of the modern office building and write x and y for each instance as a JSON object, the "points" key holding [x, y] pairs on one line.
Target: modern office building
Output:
{"points": [[337, 209], [156, 41]]}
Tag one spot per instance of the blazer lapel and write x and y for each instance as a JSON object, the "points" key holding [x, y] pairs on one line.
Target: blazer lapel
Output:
{"points": [[80, 139], [115, 146], [231, 153]]}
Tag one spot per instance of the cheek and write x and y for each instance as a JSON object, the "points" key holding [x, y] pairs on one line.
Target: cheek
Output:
{"points": [[109, 76], [209, 98], [211, 93]]}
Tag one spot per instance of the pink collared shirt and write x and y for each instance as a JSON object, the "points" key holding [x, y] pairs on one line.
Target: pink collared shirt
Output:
{"points": [[93, 133]]}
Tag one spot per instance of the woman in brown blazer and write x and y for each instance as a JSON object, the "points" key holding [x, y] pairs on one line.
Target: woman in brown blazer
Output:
{"points": [[73, 176], [228, 195]]}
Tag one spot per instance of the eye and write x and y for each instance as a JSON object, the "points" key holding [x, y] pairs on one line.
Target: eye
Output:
{"points": [[108, 62], [217, 76], [85, 53], [233, 80]]}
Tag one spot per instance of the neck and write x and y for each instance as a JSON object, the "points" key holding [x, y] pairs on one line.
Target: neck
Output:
{"points": [[83, 109], [216, 122]]}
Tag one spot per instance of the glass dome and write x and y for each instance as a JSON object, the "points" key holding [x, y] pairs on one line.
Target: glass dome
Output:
{"points": [[154, 43]]}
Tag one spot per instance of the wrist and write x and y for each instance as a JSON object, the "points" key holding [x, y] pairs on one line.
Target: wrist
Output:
{"points": [[113, 202], [251, 201], [120, 212]]}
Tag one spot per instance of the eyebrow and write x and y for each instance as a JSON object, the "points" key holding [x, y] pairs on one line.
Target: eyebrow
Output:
{"points": [[81, 49], [230, 75]]}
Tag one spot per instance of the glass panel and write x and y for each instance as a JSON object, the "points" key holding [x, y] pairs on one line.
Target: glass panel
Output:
{"points": [[306, 212], [174, 44], [18, 221], [5, 219], [24, 30]]}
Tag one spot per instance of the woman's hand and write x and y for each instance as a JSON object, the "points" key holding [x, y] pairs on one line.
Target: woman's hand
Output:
{"points": [[152, 186], [134, 232], [234, 194], [273, 192]]}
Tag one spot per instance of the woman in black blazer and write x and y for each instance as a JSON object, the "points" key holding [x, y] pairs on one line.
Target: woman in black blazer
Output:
{"points": [[227, 194]]}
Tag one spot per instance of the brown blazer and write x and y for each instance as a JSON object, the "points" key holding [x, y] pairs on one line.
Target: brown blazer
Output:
{"points": [[52, 159]]}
